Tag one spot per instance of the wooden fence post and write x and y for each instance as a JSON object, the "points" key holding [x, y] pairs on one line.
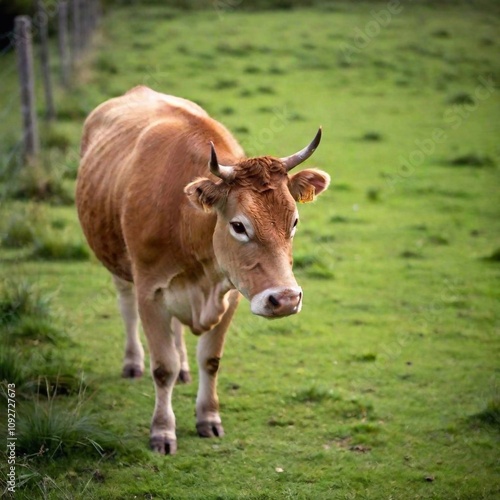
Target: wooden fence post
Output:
{"points": [[24, 51], [92, 15], [98, 12], [76, 40], [63, 42], [85, 23], [43, 24]]}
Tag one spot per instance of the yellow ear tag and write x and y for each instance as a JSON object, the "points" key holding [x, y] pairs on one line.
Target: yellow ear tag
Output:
{"points": [[307, 194]]}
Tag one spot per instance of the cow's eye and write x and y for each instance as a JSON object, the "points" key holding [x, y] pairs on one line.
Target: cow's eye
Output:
{"points": [[295, 223], [238, 228], [241, 229], [294, 228]]}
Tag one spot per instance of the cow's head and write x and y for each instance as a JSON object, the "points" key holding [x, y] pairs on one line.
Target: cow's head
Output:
{"points": [[255, 202]]}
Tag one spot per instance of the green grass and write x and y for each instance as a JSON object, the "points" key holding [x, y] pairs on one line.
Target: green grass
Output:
{"points": [[50, 247], [21, 299], [386, 384], [54, 429], [18, 233]]}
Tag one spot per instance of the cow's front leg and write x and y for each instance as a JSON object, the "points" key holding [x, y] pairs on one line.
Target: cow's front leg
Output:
{"points": [[133, 364], [165, 366], [209, 353]]}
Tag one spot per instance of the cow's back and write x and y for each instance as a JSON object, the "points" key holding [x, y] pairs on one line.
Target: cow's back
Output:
{"points": [[138, 152]]}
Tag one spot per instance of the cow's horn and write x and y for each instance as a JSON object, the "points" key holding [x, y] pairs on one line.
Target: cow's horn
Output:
{"points": [[297, 158], [224, 173]]}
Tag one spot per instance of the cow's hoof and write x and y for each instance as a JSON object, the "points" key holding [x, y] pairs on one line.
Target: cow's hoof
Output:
{"points": [[184, 377], [209, 429], [132, 371], [163, 446]]}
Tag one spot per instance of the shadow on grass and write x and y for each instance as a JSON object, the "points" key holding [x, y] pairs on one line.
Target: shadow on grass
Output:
{"points": [[489, 417]]}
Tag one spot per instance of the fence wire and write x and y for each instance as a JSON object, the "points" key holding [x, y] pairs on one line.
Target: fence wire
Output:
{"points": [[68, 15]]}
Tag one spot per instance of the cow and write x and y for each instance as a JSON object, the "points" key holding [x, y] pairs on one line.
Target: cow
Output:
{"points": [[186, 224]]}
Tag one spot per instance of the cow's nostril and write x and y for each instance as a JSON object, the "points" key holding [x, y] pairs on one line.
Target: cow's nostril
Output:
{"points": [[274, 301]]}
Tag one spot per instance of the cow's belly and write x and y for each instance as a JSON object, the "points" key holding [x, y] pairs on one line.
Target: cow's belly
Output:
{"points": [[198, 305], [103, 232]]}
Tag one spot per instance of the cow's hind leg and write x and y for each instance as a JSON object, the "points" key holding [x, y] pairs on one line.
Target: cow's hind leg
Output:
{"points": [[209, 353], [184, 374], [165, 367], [133, 364]]}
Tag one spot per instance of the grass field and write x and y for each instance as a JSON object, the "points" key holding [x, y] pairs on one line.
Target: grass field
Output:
{"points": [[386, 386]]}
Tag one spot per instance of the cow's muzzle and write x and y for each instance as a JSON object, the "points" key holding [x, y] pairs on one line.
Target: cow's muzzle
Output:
{"points": [[277, 302]]}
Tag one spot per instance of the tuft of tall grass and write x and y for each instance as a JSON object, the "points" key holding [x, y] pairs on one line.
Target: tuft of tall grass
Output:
{"points": [[373, 194], [266, 89], [72, 108], [313, 266], [438, 240], [356, 409], [55, 382], [224, 84], [411, 254], [241, 130], [242, 50], [490, 416], [228, 110], [315, 394], [246, 93], [53, 247], [56, 138], [43, 373], [105, 63], [472, 160], [48, 428], [339, 219], [297, 117], [441, 33], [25, 315], [252, 69], [461, 98], [367, 357], [494, 256], [276, 70], [12, 369], [19, 298], [21, 225], [32, 329], [372, 136], [18, 233], [303, 260], [35, 182]]}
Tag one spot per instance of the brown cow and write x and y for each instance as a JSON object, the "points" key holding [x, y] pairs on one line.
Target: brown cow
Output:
{"points": [[183, 236]]}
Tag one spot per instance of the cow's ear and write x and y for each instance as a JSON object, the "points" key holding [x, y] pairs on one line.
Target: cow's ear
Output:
{"points": [[204, 194], [307, 184]]}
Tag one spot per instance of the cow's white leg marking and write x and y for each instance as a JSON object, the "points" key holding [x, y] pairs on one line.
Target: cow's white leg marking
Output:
{"points": [[133, 363], [209, 353], [165, 367], [184, 374]]}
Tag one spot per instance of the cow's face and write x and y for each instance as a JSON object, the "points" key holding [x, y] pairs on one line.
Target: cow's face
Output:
{"points": [[256, 221]]}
